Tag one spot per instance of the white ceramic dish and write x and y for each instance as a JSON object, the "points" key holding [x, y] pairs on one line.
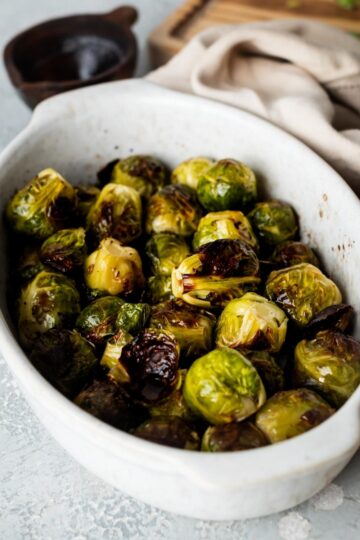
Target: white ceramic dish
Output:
{"points": [[80, 131]]}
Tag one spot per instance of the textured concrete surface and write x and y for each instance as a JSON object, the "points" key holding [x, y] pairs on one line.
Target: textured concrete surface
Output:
{"points": [[44, 493]]}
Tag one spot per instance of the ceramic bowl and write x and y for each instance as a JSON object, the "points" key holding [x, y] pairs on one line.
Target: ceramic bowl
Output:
{"points": [[77, 133]]}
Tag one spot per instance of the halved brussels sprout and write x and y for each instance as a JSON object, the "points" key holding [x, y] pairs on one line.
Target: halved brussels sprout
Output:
{"points": [[117, 212], [173, 209], [112, 356], [232, 437], [338, 317], [229, 224], [330, 364], [86, 196], [228, 185], [65, 250], [97, 321], [188, 172], [218, 272], [43, 206], [302, 291], [223, 386], [165, 252], [114, 268], [271, 374], [291, 413], [291, 253], [169, 432], [132, 317], [159, 289], [175, 404], [274, 221], [65, 359], [252, 323]]}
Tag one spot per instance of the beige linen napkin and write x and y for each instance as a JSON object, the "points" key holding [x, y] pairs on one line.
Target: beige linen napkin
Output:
{"points": [[303, 76]]}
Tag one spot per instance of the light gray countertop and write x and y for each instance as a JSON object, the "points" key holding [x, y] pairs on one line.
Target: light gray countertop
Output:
{"points": [[44, 493]]}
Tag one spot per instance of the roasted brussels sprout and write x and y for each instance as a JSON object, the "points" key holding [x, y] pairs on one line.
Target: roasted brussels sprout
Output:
{"points": [[159, 289], [165, 252], [175, 404], [271, 374], [43, 206], [117, 212], [65, 250], [291, 413], [114, 268], [218, 272], [228, 185], [169, 432], [132, 318], [338, 317], [50, 300], [233, 436], [230, 224], [329, 364], [111, 358], [97, 321], [173, 209], [302, 291], [291, 253], [252, 323], [223, 386], [65, 359], [274, 222], [86, 197], [188, 172]]}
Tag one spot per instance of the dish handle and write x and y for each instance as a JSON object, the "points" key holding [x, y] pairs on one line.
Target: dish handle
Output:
{"points": [[124, 15]]}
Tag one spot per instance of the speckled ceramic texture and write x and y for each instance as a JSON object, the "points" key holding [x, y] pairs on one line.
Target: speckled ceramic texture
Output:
{"points": [[79, 132]]}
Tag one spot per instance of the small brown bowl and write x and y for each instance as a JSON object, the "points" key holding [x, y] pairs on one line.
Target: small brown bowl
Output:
{"points": [[72, 52]]}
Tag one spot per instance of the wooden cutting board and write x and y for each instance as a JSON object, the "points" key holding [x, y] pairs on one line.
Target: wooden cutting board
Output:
{"points": [[196, 15]]}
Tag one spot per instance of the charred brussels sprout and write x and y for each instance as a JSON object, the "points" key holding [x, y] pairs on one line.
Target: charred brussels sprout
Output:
{"points": [[330, 364], [252, 323], [228, 185], [65, 250], [173, 209], [232, 437], [132, 317], [159, 289], [175, 404], [43, 206], [271, 374], [188, 172], [274, 222], [338, 317], [223, 386], [169, 432], [218, 272], [97, 321], [165, 252], [86, 197], [114, 268], [291, 253], [229, 224], [302, 291], [111, 358], [65, 359], [291, 413]]}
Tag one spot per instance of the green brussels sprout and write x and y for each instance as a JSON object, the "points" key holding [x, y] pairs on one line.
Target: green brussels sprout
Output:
{"points": [[65, 359], [159, 289], [223, 386], [191, 327], [65, 250], [291, 413], [169, 431], [231, 224], [329, 364], [111, 358], [173, 209], [218, 272], [302, 291], [252, 323], [228, 185], [274, 222], [43, 206], [271, 374], [86, 197], [175, 404], [338, 317], [232, 437], [165, 252], [97, 321], [114, 268], [291, 253], [50, 300], [132, 318], [188, 172], [117, 212]]}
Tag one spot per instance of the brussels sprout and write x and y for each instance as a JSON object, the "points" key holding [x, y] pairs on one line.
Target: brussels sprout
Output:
{"points": [[221, 225], [114, 268], [330, 364], [50, 300], [132, 317], [271, 374], [27, 266], [43, 206], [233, 436], [65, 250], [97, 321], [274, 222], [169, 432], [223, 386], [188, 172], [173, 209], [175, 404], [112, 356], [338, 317], [165, 252], [191, 327], [218, 272], [291, 253], [86, 197], [252, 323], [65, 359], [291, 413], [228, 185], [302, 291], [117, 212], [159, 289]]}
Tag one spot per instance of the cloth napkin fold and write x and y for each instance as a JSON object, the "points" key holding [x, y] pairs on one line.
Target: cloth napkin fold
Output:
{"points": [[301, 75]]}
